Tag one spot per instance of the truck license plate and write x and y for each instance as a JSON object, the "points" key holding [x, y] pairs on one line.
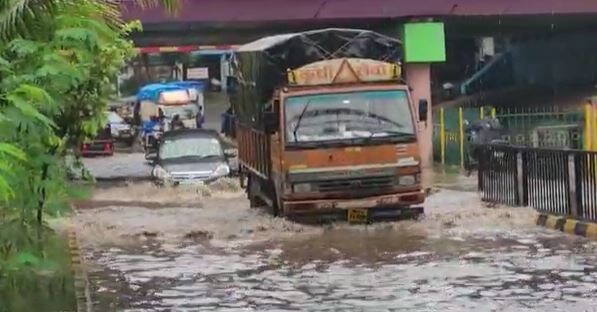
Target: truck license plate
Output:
{"points": [[357, 215]]}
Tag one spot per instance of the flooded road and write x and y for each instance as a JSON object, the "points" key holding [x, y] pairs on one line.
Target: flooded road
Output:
{"points": [[204, 249]]}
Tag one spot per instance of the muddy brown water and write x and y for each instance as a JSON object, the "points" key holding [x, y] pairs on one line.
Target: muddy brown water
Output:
{"points": [[201, 249]]}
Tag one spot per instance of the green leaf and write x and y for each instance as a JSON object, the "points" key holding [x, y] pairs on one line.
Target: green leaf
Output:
{"points": [[34, 93], [28, 110], [23, 47], [11, 150], [78, 35], [26, 258]]}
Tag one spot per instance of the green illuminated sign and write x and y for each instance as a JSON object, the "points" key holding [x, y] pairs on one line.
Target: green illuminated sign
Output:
{"points": [[424, 42]]}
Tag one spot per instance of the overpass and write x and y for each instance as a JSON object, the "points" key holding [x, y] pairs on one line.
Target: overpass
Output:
{"points": [[231, 22], [231, 11]]}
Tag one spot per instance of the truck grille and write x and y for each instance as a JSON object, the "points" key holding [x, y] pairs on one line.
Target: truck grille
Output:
{"points": [[368, 183]]}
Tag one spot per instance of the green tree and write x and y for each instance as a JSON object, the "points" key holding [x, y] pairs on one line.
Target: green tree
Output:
{"points": [[58, 62], [59, 57]]}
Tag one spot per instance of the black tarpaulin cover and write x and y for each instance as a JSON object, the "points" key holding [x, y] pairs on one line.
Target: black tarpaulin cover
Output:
{"points": [[261, 66]]}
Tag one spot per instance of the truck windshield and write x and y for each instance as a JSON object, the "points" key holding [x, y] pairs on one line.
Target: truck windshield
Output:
{"points": [[186, 111], [348, 116]]}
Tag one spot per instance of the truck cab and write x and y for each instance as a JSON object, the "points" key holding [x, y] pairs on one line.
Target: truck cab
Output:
{"points": [[341, 142]]}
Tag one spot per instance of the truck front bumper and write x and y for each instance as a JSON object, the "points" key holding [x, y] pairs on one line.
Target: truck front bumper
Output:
{"points": [[383, 206]]}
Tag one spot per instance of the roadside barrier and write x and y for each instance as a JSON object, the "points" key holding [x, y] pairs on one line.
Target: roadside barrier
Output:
{"points": [[553, 181], [567, 225], [82, 288]]}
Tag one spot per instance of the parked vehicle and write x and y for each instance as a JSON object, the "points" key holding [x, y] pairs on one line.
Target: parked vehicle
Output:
{"points": [[336, 137], [120, 129], [102, 145], [481, 132], [190, 156]]}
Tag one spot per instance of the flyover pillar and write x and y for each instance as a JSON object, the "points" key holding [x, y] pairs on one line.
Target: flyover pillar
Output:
{"points": [[424, 44], [419, 80]]}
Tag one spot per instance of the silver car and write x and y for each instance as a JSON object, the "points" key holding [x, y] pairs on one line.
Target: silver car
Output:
{"points": [[190, 156]]}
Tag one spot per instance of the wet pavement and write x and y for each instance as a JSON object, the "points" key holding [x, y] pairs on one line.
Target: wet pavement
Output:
{"points": [[218, 254], [204, 249]]}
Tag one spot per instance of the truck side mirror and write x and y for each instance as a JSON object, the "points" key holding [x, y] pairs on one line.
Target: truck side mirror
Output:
{"points": [[423, 109], [270, 122]]}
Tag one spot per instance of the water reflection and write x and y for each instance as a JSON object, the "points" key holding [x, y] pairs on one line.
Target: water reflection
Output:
{"points": [[375, 270], [460, 257]]}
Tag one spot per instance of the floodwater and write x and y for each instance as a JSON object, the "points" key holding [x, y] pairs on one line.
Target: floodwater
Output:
{"points": [[204, 249]]}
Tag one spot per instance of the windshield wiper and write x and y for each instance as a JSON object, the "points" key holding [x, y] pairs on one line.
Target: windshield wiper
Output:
{"points": [[209, 156], [390, 133], [298, 122]]}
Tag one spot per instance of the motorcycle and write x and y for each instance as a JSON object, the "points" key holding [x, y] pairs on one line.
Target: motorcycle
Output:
{"points": [[482, 132]]}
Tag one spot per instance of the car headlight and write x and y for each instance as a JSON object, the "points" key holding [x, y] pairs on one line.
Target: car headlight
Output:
{"points": [[160, 173], [222, 170], [407, 180], [302, 187]]}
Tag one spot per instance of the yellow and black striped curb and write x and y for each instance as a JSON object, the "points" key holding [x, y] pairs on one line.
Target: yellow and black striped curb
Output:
{"points": [[82, 291], [567, 225]]}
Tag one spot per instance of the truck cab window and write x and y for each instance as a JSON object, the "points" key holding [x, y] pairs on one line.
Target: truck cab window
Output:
{"points": [[348, 116]]}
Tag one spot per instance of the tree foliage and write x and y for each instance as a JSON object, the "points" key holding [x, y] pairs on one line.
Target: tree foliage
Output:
{"points": [[58, 62]]}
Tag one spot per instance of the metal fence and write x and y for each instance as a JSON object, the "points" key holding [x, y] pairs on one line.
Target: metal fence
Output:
{"points": [[561, 182], [547, 127]]}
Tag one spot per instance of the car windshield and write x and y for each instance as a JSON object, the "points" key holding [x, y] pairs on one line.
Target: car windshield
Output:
{"points": [[199, 147], [114, 118], [351, 115]]}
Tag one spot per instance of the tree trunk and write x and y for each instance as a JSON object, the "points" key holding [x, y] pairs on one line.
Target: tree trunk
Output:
{"points": [[42, 194]]}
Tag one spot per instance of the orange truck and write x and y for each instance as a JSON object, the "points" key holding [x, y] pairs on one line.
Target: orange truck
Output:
{"points": [[326, 127]]}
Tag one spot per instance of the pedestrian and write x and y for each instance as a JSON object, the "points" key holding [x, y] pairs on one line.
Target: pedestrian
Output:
{"points": [[176, 123], [227, 122], [200, 118]]}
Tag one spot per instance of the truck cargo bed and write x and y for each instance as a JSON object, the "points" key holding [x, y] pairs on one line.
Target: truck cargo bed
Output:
{"points": [[254, 150]]}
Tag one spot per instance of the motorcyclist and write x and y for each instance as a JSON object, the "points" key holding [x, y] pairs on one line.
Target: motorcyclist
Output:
{"points": [[484, 131], [150, 125], [227, 127], [176, 123], [151, 129], [200, 118]]}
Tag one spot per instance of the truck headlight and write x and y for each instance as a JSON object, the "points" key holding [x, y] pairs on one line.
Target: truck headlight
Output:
{"points": [[302, 188], [160, 173], [407, 180], [221, 171]]}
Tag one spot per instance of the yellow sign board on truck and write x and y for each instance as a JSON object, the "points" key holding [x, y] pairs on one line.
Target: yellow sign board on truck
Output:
{"points": [[343, 70]]}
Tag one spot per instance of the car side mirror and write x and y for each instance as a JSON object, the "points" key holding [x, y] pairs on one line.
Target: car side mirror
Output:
{"points": [[423, 109], [270, 122]]}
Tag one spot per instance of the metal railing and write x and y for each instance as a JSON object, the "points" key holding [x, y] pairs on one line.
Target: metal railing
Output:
{"points": [[561, 182]]}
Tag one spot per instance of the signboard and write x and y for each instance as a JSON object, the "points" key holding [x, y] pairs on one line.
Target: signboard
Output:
{"points": [[345, 70], [198, 73], [424, 42]]}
